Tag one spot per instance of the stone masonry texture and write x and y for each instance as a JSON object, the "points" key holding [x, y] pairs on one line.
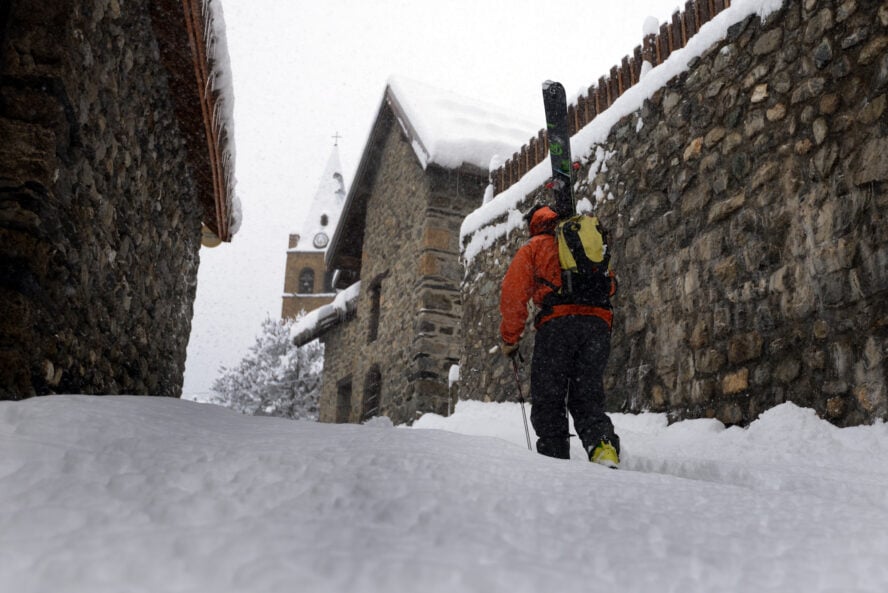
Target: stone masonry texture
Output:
{"points": [[747, 206], [99, 217]]}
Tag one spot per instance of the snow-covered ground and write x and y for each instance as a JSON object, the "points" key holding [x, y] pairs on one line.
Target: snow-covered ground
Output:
{"points": [[133, 494]]}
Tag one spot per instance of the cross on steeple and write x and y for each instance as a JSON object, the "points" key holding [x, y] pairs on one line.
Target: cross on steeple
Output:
{"points": [[336, 138]]}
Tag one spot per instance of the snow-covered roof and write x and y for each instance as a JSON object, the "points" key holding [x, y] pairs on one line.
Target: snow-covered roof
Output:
{"points": [[445, 129], [450, 130], [326, 206]]}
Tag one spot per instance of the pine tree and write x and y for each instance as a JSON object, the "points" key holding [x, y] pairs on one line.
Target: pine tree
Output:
{"points": [[276, 378]]}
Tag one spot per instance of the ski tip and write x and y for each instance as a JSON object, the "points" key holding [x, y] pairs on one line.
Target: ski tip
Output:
{"points": [[553, 87]]}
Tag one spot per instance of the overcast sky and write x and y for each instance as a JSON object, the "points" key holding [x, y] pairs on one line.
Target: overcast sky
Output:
{"points": [[305, 70]]}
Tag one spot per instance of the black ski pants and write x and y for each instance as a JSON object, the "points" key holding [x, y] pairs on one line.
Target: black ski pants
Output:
{"points": [[569, 357]]}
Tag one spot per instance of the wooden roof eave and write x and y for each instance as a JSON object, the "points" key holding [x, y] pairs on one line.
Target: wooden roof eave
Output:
{"points": [[184, 35]]}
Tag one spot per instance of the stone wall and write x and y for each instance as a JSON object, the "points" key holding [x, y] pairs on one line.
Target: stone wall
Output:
{"points": [[339, 371], [747, 203], [99, 218], [411, 260], [454, 194]]}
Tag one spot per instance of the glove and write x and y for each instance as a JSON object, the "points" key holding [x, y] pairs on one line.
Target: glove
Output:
{"points": [[509, 350]]}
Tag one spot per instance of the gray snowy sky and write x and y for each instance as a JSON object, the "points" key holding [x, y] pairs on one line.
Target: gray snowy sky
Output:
{"points": [[305, 70]]}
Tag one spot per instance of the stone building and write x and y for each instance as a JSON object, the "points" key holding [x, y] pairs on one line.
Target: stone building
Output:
{"points": [[746, 196], [115, 162], [392, 336], [307, 283]]}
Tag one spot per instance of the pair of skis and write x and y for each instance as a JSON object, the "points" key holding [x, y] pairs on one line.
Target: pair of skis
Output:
{"points": [[558, 134]]}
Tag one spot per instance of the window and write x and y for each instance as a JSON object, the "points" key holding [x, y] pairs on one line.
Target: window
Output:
{"points": [[373, 330], [343, 400], [372, 389], [375, 306], [306, 281], [325, 220]]}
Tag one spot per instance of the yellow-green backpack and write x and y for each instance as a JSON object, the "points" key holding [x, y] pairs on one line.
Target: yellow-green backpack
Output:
{"points": [[585, 261]]}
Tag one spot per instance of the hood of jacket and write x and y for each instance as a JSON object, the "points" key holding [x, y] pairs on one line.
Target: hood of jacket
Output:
{"points": [[544, 220]]}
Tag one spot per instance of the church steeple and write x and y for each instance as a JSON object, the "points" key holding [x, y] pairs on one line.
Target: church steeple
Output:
{"points": [[307, 283], [323, 214]]}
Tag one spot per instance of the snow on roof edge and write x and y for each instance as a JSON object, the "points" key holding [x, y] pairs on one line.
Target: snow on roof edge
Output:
{"points": [[316, 321], [451, 130], [222, 86]]}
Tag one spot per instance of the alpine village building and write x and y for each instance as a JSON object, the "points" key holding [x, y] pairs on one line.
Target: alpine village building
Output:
{"points": [[116, 164], [391, 335]]}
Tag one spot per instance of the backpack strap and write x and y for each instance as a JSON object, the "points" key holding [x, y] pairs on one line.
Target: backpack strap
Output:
{"points": [[544, 282]]}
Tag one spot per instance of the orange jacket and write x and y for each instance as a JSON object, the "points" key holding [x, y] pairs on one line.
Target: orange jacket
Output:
{"points": [[533, 271]]}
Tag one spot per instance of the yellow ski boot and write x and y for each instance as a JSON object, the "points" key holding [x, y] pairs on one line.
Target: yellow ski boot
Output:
{"points": [[605, 454]]}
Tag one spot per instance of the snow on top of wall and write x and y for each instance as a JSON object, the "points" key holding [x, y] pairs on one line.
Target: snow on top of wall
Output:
{"points": [[452, 129], [479, 226]]}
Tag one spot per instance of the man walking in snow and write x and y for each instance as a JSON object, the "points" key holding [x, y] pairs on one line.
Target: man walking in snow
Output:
{"points": [[571, 347]]}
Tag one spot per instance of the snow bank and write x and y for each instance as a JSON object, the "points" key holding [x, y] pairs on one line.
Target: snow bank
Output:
{"points": [[141, 494]]}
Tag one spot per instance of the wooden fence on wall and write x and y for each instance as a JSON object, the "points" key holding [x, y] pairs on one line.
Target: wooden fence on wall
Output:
{"points": [[655, 49]]}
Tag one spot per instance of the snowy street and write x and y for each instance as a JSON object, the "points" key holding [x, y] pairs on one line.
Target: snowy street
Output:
{"points": [[152, 494]]}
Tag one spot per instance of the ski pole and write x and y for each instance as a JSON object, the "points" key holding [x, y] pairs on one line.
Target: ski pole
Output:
{"points": [[521, 400]]}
